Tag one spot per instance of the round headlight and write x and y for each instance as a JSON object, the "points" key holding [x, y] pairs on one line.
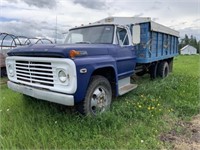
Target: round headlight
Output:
{"points": [[10, 70], [62, 76]]}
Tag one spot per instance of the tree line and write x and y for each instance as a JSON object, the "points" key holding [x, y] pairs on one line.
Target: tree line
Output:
{"points": [[189, 41]]}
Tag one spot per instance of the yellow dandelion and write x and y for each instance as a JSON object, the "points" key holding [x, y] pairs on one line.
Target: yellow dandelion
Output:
{"points": [[152, 108], [149, 108], [139, 106], [158, 104]]}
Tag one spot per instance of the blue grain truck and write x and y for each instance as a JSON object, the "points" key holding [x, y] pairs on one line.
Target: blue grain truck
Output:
{"points": [[94, 64]]}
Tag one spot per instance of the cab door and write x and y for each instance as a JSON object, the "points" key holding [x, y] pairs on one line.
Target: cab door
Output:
{"points": [[125, 53]]}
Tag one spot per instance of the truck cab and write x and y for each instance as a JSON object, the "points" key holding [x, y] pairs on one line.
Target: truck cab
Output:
{"points": [[93, 65]]}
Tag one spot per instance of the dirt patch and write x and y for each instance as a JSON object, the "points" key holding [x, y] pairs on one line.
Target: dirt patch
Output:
{"points": [[185, 135]]}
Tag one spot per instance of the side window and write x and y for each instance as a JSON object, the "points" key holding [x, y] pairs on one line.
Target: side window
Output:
{"points": [[122, 36]]}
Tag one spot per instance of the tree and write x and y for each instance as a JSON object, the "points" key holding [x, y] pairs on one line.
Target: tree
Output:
{"points": [[191, 41], [186, 39], [198, 47]]}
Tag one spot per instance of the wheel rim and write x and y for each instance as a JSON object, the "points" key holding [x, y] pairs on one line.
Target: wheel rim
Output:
{"points": [[99, 100]]}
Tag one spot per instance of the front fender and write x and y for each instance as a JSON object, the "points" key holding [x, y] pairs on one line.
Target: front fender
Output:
{"points": [[90, 64]]}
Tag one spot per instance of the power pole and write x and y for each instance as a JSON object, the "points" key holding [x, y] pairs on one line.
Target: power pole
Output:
{"points": [[56, 29]]}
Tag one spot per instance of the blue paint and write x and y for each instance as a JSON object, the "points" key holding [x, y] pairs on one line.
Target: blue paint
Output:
{"points": [[91, 63], [155, 46], [44, 50]]}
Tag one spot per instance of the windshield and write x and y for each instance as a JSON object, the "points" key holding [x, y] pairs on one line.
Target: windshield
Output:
{"points": [[91, 35]]}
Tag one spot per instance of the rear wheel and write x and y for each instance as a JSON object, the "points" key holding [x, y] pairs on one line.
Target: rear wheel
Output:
{"points": [[153, 70], [163, 69], [98, 97]]}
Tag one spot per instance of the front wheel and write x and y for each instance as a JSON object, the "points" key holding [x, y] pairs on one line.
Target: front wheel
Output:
{"points": [[98, 96]]}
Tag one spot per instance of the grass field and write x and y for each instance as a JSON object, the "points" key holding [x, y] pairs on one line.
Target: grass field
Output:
{"points": [[135, 121]]}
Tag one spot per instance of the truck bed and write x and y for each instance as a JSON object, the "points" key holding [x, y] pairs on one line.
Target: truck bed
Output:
{"points": [[155, 45]]}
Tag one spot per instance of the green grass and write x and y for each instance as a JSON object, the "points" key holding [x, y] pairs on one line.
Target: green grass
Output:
{"points": [[135, 121]]}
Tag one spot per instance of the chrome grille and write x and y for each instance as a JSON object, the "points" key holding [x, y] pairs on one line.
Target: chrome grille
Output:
{"points": [[37, 73]]}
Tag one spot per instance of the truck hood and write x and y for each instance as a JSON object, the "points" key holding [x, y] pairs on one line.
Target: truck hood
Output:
{"points": [[54, 50]]}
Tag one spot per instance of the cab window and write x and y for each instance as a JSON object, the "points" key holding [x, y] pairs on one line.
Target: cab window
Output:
{"points": [[122, 36]]}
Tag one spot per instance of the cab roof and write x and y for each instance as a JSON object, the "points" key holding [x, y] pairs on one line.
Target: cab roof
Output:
{"points": [[133, 21]]}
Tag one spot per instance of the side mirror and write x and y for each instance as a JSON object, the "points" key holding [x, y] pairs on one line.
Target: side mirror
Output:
{"points": [[136, 34]]}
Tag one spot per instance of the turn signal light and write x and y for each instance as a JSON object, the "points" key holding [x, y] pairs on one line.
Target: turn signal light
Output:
{"points": [[74, 53]]}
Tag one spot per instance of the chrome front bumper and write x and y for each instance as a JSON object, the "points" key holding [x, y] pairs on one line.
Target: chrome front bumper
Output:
{"points": [[42, 94]]}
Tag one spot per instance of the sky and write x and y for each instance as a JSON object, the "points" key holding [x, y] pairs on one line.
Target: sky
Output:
{"points": [[53, 18]]}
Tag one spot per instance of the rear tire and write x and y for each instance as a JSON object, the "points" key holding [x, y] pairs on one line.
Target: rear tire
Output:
{"points": [[98, 97], [153, 70], [163, 69]]}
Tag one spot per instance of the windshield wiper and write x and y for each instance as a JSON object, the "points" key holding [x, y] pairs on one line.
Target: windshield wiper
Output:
{"points": [[83, 42]]}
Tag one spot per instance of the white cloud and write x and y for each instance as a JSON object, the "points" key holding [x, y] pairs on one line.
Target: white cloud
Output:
{"points": [[190, 31], [38, 18], [93, 4], [37, 3]]}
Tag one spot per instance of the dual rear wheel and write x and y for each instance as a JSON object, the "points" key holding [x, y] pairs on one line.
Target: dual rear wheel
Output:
{"points": [[163, 69], [160, 69]]}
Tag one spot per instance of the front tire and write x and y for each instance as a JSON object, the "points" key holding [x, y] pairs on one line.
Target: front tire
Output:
{"points": [[98, 96]]}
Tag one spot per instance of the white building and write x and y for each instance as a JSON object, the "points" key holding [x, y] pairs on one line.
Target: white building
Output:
{"points": [[188, 50]]}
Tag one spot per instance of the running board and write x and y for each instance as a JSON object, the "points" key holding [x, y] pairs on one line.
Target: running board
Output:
{"points": [[125, 86]]}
